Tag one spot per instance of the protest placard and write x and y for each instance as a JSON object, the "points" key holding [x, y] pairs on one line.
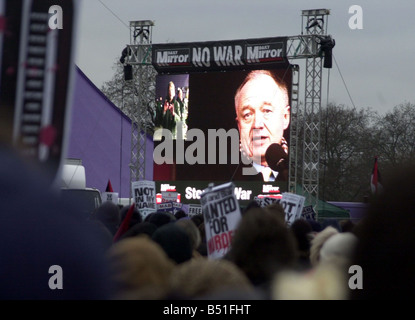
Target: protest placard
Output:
{"points": [[221, 214], [144, 195], [172, 207], [167, 196], [194, 209], [308, 213], [292, 203], [110, 196], [165, 207], [264, 201], [293, 206]]}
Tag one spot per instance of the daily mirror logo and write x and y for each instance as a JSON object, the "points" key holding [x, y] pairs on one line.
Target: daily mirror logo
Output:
{"points": [[176, 57], [262, 53]]}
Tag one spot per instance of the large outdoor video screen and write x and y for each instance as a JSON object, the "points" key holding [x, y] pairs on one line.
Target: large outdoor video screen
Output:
{"points": [[213, 133]]}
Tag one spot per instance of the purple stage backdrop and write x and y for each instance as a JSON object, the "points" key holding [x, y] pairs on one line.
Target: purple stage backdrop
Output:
{"points": [[100, 135]]}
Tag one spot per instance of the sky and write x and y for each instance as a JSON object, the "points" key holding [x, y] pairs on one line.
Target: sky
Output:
{"points": [[373, 67]]}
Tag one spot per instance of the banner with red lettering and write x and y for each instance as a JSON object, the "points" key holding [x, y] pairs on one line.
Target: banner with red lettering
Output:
{"points": [[221, 214]]}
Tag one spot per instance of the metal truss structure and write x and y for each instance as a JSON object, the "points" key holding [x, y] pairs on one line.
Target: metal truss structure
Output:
{"points": [[305, 46], [143, 80], [294, 128]]}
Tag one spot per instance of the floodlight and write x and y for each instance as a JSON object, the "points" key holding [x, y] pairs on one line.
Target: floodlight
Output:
{"points": [[326, 46]]}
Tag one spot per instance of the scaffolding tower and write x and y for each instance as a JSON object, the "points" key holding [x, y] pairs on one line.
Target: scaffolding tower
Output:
{"points": [[307, 46], [143, 80]]}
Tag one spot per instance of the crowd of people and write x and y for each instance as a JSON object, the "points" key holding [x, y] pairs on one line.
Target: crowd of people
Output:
{"points": [[116, 253]]}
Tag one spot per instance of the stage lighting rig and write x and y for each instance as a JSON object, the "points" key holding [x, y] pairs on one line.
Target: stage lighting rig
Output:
{"points": [[125, 52], [143, 31], [327, 44], [128, 68], [315, 22]]}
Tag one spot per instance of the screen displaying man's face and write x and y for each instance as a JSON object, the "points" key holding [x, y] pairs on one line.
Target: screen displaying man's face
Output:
{"points": [[263, 114], [261, 119]]}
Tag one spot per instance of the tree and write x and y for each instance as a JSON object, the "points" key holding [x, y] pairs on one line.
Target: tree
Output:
{"points": [[347, 148], [117, 89], [350, 138], [396, 135]]}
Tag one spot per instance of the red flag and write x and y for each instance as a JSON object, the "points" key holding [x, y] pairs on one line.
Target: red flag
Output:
{"points": [[375, 179], [109, 187], [125, 223]]}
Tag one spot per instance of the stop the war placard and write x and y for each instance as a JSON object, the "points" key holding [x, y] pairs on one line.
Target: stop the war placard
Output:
{"points": [[292, 203], [144, 195], [221, 214], [293, 206]]}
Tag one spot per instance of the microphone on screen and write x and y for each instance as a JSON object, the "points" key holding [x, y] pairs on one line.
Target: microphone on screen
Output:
{"points": [[276, 157]]}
